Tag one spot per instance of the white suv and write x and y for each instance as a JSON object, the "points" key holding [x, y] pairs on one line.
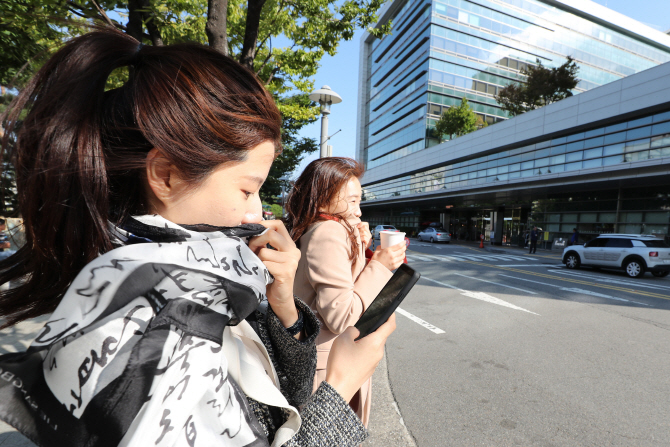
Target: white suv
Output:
{"points": [[635, 253]]}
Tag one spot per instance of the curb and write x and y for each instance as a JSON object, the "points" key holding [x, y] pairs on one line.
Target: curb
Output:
{"points": [[387, 427]]}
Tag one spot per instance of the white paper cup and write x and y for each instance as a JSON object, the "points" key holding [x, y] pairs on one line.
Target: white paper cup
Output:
{"points": [[391, 238]]}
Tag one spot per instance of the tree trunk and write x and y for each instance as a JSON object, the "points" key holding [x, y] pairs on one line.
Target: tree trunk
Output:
{"points": [[154, 33], [248, 54], [134, 27], [216, 28]]}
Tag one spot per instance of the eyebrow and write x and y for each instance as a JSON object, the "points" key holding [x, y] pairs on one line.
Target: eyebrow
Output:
{"points": [[354, 195], [253, 178]]}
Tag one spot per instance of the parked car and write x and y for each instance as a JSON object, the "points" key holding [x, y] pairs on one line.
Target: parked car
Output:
{"points": [[433, 234], [634, 253], [379, 228]]}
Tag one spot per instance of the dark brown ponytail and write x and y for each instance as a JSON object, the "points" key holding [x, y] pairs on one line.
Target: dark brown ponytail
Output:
{"points": [[80, 152]]}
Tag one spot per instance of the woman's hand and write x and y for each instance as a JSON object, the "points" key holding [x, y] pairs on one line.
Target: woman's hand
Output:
{"points": [[366, 236], [390, 257], [351, 363], [282, 262]]}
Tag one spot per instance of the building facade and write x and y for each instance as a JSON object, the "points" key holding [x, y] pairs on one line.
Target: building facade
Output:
{"points": [[532, 168]]}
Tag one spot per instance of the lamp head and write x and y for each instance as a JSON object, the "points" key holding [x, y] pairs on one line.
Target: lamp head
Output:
{"points": [[325, 97]]}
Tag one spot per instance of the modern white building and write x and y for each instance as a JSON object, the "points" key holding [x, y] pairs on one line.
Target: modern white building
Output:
{"points": [[597, 161]]}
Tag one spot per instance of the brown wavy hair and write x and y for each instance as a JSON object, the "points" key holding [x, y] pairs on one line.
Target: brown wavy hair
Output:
{"points": [[318, 185], [80, 152]]}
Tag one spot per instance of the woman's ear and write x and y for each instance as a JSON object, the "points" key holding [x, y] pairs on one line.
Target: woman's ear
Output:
{"points": [[158, 174], [163, 180]]}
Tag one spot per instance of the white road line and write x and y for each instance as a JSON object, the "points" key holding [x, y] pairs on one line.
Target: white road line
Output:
{"points": [[434, 257], [575, 290], [481, 296], [491, 282], [503, 258], [417, 258], [533, 265], [418, 320], [613, 281]]}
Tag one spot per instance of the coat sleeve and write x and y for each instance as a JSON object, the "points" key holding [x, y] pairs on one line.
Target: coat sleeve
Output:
{"points": [[328, 421], [340, 300], [295, 360]]}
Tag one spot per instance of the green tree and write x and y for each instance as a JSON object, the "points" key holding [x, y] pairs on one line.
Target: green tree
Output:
{"points": [[26, 38], [282, 41], [456, 120], [543, 86], [295, 149]]}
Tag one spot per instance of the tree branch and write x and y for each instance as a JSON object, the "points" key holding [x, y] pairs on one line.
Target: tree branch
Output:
{"points": [[272, 74], [103, 14], [85, 14], [217, 27], [248, 54], [149, 21], [267, 59], [271, 26]]}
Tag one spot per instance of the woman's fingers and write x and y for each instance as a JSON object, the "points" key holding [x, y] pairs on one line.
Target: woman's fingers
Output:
{"points": [[278, 226], [386, 329], [279, 240]]}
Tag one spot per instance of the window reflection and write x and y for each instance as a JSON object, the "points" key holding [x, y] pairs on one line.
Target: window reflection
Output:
{"points": [[501, 167]]}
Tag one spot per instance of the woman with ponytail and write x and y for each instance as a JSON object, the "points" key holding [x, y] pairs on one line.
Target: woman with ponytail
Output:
{"points": [[172, 321], [334, 278]]}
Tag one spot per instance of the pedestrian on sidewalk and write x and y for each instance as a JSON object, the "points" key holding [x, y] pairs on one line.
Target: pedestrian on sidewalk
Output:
{"points": [[172, 319], [333, 277], [533, 240], [574, 238]]}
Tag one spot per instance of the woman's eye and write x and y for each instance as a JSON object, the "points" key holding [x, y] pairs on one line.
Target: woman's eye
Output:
{"points": [[248, 194]]}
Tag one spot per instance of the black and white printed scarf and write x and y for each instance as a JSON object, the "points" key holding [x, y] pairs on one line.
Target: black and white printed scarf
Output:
{"points": [[149, 347]]}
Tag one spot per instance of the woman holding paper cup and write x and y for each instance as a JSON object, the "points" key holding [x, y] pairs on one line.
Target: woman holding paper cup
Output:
{"points": [[334, 278]]}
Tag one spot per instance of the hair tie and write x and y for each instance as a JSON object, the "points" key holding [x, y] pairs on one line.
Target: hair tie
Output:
{"points": [[135, 58]]}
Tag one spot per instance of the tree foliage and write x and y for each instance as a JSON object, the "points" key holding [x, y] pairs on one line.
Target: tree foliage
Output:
{"points": [[543, 86], [456, 120], [282, 41], [295, 148], [26, 38]]}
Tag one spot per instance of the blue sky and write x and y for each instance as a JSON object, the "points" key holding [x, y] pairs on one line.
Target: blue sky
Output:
{"points": [[340, 72]]}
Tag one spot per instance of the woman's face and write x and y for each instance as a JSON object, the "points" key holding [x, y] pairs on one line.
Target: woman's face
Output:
{"points": [[228, 197], [347, 203]]}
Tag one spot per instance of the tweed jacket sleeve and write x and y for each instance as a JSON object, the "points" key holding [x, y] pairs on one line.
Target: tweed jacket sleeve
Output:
{"points": [[294, 360], [328, 421]]}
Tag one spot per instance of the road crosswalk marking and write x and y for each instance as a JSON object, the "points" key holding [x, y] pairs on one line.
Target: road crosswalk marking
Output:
{"points": [[457, 258]]}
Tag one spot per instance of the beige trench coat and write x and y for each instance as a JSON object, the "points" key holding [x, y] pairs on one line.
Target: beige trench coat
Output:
{"points": [[337, 292]]}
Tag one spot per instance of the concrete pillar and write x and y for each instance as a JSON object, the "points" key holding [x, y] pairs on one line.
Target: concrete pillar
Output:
{"points": [[499, 226]]}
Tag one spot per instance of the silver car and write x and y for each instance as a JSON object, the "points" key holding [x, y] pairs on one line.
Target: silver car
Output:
{"points": [[379, 228], [432, 234], [634, 253]]}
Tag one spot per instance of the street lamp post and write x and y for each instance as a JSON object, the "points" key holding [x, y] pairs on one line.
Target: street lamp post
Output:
{"points": [[325, 97], [283, 181]]}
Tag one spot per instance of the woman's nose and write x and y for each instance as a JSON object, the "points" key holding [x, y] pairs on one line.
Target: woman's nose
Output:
{"points": [[357, 212], [254, 213]]}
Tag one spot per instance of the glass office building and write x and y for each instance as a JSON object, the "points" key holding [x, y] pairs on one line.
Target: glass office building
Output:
{"points": [[440, 51], [598, 161]]}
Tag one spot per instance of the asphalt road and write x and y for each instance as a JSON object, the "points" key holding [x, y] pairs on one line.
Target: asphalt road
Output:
{"points": [[502, 348]]}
